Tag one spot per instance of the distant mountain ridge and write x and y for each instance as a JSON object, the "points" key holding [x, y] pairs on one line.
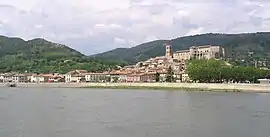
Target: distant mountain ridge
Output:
{"points": [[17, 45], [234, 44], [42, 56]]}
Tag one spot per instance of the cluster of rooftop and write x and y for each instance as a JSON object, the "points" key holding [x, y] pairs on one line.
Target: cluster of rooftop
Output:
{"points": [[145, 71]]}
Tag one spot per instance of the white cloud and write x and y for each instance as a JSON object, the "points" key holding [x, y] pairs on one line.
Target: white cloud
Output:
{"points": [[95, 26], [119, 41], [195, 31]]}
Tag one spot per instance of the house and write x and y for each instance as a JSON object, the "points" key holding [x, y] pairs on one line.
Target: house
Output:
{"points": [[162, 75], [133, 78], [34, 78], [67, 77], [75, 76], [123, 77], [185, 77], [38, 78], [56, 78], [96, 77], [148, 77], [28, 75], [264, 81], [118, 76], [8, 77], [19, 78]]}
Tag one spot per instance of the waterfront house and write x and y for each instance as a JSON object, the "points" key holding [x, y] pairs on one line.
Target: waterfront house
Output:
{"points": [[133, 77], [28, 75], [122, 77], [75, 76], [34, 78], [118, 76], [39, 78], [67, 77], [56, 78], [96, 77], [148, 77], [7, 77], [185, 77]]}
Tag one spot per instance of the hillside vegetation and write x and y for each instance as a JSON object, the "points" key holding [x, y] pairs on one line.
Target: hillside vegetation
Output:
{"points": [[41, 56], [239, 47]]}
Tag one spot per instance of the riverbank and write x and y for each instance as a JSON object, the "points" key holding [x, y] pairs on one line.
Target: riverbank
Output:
{"points": [[261, 88]]}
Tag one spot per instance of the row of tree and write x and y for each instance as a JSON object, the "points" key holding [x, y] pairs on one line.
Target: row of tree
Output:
{"points": [[62, 65], [216, 71]]}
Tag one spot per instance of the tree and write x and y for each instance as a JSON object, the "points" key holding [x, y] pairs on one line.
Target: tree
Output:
{"points": [[217, 71], [169, 76], [157, 77]]}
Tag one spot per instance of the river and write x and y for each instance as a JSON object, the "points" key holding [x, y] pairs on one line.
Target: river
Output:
{"points": [[45, 112]]}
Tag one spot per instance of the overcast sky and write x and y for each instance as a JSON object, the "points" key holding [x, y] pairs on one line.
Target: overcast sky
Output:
{"points": [[93, 26]]}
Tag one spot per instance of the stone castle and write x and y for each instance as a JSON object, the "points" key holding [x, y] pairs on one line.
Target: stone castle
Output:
{"points": [[178, 60], [196, 52]]}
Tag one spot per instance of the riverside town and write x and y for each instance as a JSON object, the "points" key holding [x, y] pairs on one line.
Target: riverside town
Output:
{"points": [[181, 66]]}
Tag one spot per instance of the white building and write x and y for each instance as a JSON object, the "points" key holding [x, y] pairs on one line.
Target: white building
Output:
{"points": [[37, 78], [19, 78], [75, 76], [95, 77], [185, 78], [264, 81]]}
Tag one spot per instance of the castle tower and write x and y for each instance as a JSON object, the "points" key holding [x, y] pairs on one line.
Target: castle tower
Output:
{"points": [[169, 53]]}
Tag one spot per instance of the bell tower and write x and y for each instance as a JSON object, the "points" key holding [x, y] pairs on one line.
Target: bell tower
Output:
{"points": [[169, 53]]}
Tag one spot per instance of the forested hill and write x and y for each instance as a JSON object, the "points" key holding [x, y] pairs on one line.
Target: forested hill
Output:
{"points": [[236, 45], [42, 56]]}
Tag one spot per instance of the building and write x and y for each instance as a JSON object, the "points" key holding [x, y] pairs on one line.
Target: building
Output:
{"points": [[39, 78], [169, 53], [148, 77], [19, 78], [264, 81], [185, 77], [78, 78], [200, 52], [8, 77], [133, 78], [75, 76], [95, 77]]}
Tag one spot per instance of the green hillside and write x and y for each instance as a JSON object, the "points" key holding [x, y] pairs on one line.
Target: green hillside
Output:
{"points": [[41, 56], [238, 47]]}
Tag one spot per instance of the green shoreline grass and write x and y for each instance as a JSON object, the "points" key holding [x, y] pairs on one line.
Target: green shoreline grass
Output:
{"points": [[164, 88]]}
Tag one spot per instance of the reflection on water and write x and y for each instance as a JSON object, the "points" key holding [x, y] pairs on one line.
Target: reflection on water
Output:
{"points": [[132, 113]]}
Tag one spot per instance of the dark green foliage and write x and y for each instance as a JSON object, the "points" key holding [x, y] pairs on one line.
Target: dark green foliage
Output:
{"points": [[41, 56], [157, 77], [237, 47], [218, 71], [170, 75]]}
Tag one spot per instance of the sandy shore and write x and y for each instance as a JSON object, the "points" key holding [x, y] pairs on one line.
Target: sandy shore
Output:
{"points": [[174, 86]]}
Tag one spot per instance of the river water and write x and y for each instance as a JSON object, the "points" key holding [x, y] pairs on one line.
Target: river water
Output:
{"points": [[44, 112]]}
